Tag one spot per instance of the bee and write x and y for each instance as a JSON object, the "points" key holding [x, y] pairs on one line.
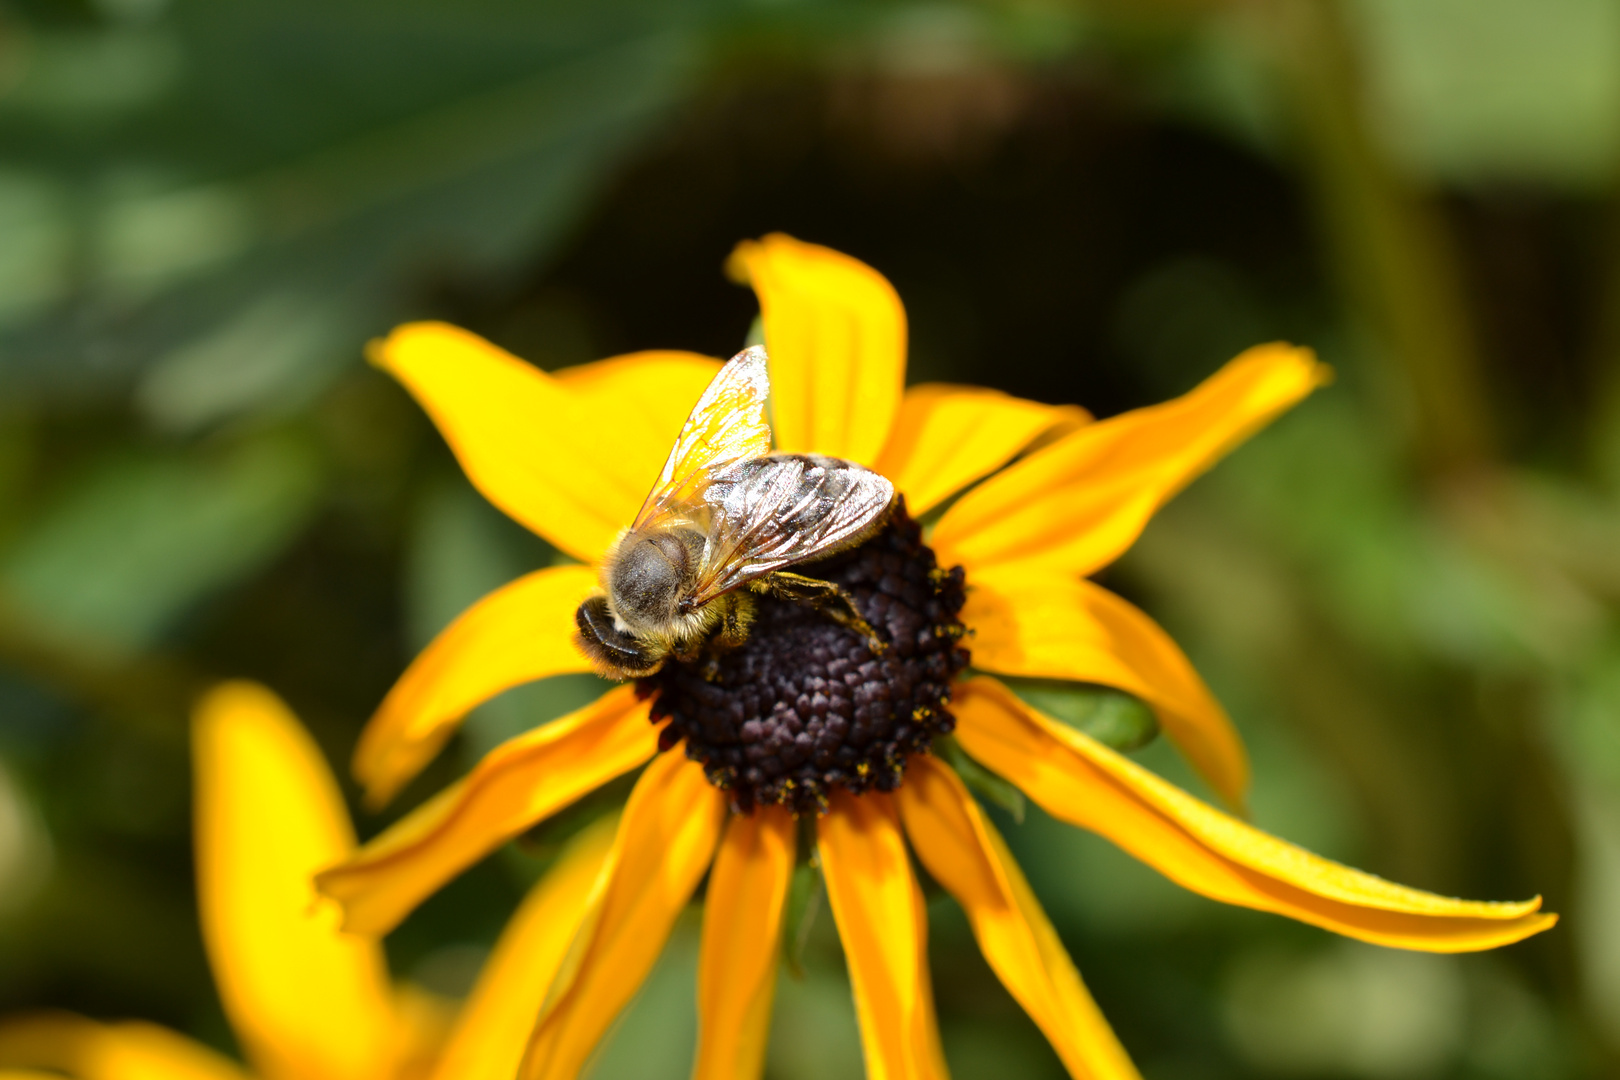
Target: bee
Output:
{"points": [[724, 520]]}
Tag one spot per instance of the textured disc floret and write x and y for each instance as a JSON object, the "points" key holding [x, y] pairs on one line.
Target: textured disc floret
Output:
{"points": [[803, 705]]}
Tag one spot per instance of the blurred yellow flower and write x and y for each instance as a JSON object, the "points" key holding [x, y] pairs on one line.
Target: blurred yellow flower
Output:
{"points": [[308, 1002], [1050, 498]]}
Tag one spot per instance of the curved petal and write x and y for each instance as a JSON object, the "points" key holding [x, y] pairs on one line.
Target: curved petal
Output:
{"points": [[535, 444], [520, 632], [665, 842], [965, 854], [1077, 504], [742, 925], [946, 437], [305, 1000], [881, 919], [1047, 625], [1078, 780], [836, 333], [87, 1050], [520, 782], [493, 1029]]}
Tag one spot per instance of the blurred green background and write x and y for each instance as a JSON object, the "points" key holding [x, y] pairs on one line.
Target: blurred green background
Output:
{"points": [[1407, 591]]}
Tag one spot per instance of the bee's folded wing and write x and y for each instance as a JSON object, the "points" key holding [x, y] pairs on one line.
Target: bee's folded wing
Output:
{"points": [[775, 511]]}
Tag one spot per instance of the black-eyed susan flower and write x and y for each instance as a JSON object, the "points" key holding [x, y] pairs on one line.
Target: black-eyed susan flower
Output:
{"points": [[308, 1002], [805, 717]]}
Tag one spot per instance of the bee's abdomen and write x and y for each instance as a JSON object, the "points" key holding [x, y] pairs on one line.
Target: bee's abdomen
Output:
{"points": [[803, 705]]}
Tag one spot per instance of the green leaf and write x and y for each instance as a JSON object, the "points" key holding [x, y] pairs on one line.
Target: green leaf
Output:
{"points": [[138, 540], [1112, 717]]}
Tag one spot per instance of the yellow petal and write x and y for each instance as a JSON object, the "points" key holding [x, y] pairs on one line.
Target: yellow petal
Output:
{"points": [[1042, 624], [742, 923], [964, 853], [305, 1000], [87, 1050], [1078, 780], [494, 1026], [520, 782], [836, 333], [884, 927], [665, 841], [551, 452], [520, 632], [1077, 504], [946, 437]]}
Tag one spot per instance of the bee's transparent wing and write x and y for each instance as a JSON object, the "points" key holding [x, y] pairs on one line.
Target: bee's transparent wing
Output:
{"points": [[774, 511], [727, 426]]}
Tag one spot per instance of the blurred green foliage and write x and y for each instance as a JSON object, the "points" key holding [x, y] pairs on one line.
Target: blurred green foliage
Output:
{"points": [[1406, 593]]}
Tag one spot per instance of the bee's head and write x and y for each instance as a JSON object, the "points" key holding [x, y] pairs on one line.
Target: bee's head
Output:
{"points": [[652, 576]]}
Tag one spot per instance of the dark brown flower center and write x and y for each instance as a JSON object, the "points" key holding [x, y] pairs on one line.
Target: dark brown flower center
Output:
{"points": [[803, 705]]}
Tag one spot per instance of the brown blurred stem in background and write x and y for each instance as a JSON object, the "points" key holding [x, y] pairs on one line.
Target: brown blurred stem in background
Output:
{"points": [[1394, 256]]}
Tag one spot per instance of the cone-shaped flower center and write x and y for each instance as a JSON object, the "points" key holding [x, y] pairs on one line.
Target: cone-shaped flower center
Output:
{"points": [[803, 705]]}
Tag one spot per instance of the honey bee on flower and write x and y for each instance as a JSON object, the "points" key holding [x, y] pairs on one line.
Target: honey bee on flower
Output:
{"points": [[822, 699], [727, 515]]}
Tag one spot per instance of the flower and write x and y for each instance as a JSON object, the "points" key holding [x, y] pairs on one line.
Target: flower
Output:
{"points": [[1050, 497], [306, 1001]]}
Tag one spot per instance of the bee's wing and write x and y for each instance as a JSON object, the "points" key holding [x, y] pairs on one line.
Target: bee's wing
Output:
{"points": [[727, 426], [774, 511]]}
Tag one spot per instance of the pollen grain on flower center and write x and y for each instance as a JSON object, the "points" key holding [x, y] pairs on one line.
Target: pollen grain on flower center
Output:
{"points": [[803, 705]]}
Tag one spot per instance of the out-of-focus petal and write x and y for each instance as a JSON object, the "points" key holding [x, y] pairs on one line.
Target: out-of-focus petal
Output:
{"points": [[494, 1027], [836, 333], [1078, 780], [1076, 505], [87, 1050], [884, 927], [1048, 625], [665, 841], [946, 437], [742, 923], [549, 451], [964, 853], [520, 632], [306, 1001], [520, 782]]}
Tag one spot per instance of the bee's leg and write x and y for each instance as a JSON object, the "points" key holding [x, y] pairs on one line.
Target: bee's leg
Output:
{"points": [[827, 597]]}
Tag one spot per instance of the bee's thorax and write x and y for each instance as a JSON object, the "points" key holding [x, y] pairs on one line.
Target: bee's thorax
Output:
{"points": [[650, 577]]}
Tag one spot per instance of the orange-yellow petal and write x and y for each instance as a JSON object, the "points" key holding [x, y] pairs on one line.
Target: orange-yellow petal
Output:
{"points": [[551, 452], [87, 1050], [520, 632], [742, 922], [665, 841], [1078, 780], [520, 782], [946, 437], [964, 853], [881, 919], [836, 333], [493, 1029], [1077, 504], [305, 999], [1041, 624]]}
